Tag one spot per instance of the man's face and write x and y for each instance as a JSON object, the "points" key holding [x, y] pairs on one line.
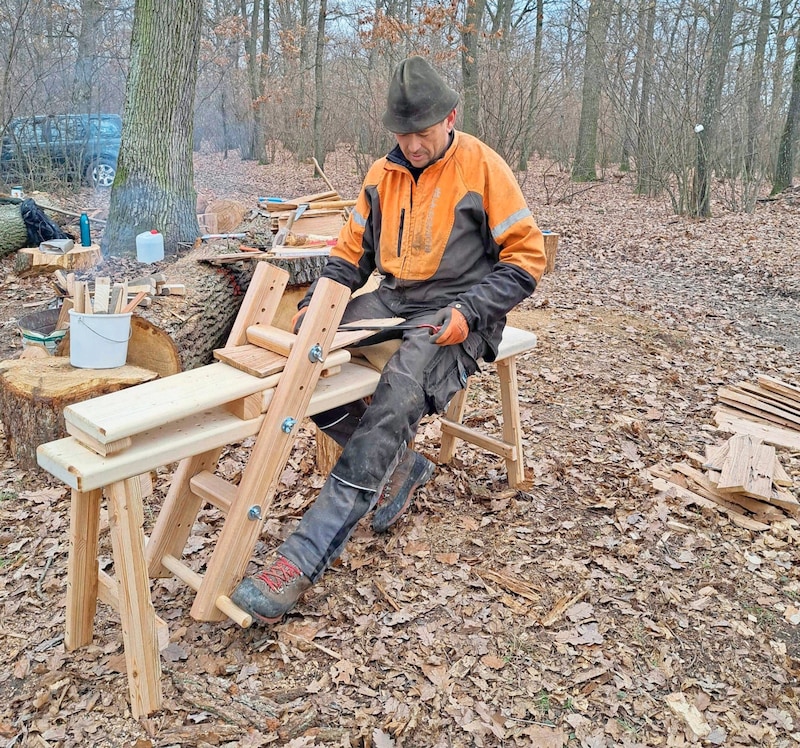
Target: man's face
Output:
{"points": [[425, 147]]}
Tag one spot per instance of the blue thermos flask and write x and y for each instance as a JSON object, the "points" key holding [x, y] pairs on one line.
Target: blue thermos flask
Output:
{"points": [[86, 237]]}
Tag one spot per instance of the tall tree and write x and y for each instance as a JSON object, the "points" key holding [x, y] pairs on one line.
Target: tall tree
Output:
{"points": [[319, 87], [784, 168], [470, 120], [754, 111], [712, 95], [154, 186], [536, 74], [645, 181], [82, 97], [584, 167]]}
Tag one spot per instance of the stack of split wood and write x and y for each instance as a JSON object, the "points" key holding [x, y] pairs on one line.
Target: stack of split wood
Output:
{"points": [[322, 214], [743, 478], [104, 297], [768, 409]]}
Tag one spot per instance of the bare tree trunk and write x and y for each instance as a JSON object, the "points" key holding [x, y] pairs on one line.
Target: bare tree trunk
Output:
{"points": [[82, 96], [720, 50], [585, 163], [154, 186], [645, 182], [536, 74], [784, 168], [754, 112], [470, 121], [319, 87]]}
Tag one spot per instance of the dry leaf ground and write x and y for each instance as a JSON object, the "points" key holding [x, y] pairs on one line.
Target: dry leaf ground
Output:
{"points": [[584, 610]]}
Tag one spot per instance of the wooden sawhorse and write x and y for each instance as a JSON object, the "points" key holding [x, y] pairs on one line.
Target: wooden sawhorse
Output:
{"points": [[116, 440]]}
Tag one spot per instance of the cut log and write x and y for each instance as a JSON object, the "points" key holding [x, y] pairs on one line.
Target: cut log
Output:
{"points": [[32, 261], [34, 393], [13, 234]]}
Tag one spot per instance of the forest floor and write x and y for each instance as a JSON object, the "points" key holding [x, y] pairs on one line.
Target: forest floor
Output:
{"points": [[584, 609]]}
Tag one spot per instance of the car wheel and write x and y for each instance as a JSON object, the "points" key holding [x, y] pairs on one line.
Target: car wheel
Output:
{"points": [[101, 173]]}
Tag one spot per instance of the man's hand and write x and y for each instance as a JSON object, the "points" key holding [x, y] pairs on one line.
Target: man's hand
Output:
{"points": [[297, 320], [454, 327]]}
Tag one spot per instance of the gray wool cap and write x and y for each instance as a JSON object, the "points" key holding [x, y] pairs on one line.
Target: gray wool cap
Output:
{"points": [[417, 97]]}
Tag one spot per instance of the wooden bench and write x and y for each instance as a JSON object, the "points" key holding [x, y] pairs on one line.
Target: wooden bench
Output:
{"points": [[116, 440]]}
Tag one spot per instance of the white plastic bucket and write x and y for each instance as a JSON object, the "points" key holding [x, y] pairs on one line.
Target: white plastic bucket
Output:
{"points": [[98, 341], [150, 246]]}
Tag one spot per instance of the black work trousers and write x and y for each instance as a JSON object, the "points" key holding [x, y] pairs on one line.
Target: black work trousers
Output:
{"points": [[419, 379]]}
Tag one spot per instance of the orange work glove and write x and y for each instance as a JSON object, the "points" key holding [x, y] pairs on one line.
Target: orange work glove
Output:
{"points": [[297, 320], [454, 327]]}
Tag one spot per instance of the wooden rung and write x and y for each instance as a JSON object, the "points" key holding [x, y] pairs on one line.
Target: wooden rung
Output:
{"points": [[108, 593], [479, 439], [213, 489], [271, 338], [192, 579]]}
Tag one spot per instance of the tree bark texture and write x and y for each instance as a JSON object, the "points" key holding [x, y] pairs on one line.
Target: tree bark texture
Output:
{"points": [[473, 20], [784, 168], [154, 184], [720, 51], [584, 168]]}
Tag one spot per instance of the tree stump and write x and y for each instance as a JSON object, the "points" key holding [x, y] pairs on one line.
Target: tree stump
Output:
{"points": [[34, 393], [32, 261], [550, 248]]}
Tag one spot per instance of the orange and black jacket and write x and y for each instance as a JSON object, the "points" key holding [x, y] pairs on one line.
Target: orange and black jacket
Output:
{"points": [[461, 233]]}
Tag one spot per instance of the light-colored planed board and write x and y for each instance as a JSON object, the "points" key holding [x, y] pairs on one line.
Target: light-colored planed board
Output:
{"points": [[788, 389], [732, 421], [84, 470], [757, 407]]}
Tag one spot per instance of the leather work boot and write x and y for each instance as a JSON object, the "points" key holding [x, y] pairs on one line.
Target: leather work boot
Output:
{"points": [[268, 596], [398, 493]]}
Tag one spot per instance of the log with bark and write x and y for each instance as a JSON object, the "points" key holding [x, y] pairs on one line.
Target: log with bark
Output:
{"points": [[200, 321], [13, 233]]}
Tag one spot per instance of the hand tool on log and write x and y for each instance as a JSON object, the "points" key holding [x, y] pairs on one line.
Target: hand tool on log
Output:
{"points": [[280, 238]]}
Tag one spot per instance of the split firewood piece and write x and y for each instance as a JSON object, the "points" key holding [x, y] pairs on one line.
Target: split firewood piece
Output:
{"points": [[102, 294], [134, 302], [63, 315], [79, 297], [172, 289], [119, 295]]}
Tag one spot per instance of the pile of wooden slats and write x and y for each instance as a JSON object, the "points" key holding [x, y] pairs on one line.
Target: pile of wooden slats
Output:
{"points": [[104, 297], [742, 477], [768, 409]]}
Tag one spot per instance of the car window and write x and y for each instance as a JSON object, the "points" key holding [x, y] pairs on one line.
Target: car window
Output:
{"points": [[66, 128], [29, 130], [105, 127]]}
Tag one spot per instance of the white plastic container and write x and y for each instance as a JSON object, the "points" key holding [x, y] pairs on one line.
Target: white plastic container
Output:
{"points": [[150, 246], [98, 341]]}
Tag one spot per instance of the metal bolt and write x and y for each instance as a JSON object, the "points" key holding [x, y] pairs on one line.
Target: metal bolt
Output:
{"points": [[254, 512], [315, 354], [288, 425]]}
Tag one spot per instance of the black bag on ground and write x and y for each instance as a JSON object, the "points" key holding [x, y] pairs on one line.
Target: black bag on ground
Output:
{"points": [[40, 228]]}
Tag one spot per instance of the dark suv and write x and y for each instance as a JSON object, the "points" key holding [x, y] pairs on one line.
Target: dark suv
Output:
{"points": [[82, 146]]}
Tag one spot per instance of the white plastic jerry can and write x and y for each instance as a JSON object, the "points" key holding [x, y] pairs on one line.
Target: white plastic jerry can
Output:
{"points": [[150, 246]]}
